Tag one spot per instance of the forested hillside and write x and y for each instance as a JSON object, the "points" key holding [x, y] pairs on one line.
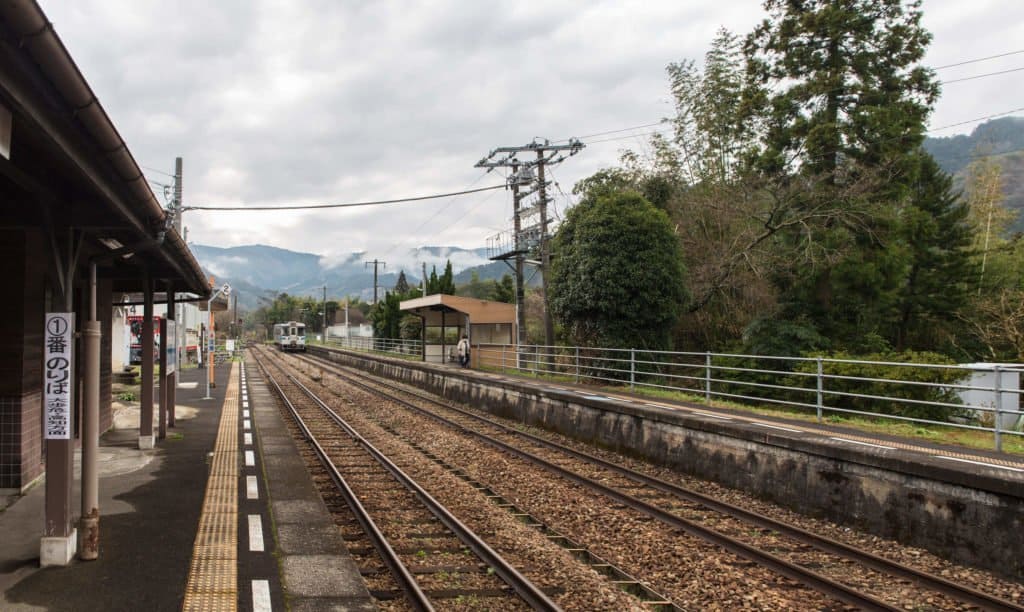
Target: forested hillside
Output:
{"points": [[1002, 140]]}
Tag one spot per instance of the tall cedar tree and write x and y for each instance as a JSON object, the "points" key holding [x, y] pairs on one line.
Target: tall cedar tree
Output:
{"points": [[617, 275], [842, 97], [848, 82]]}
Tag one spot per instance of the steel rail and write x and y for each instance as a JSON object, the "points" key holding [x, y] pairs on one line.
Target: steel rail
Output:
{"points": [[523, 587], [414, 594], [812, 579], [965, 594]]}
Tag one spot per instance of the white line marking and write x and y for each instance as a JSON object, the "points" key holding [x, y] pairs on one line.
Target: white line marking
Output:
{"points": [[596, 397], [777, 427], [252, 490], [247, 424], [248, 439], [991, 465], [862, 443], [245, 414], [656, 405], [250, 459], [714, 416], [255, 533], [245, 403], [261, 596]]}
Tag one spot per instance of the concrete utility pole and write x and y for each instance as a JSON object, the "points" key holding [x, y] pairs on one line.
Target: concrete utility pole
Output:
{"points": [[530, 234], [325, 314], [375, 264]]}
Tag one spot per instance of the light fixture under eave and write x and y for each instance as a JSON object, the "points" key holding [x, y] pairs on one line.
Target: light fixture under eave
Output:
{"points": [[111, 243]]}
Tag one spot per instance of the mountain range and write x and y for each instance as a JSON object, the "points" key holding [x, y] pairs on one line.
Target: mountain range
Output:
{"points": [[1002, 140], [258, 272]]}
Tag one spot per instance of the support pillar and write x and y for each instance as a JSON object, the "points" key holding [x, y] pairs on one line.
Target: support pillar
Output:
{"points": [[90, 521], [146, 440], [60, 540]]}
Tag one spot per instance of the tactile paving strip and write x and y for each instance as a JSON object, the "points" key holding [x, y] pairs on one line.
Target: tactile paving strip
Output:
{"points": [[213, 575]]}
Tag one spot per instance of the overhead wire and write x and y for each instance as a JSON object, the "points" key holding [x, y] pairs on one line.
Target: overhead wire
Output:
{"points": [[348, 204], [980, 59]]}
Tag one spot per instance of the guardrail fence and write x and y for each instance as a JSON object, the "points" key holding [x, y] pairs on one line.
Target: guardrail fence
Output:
{"points": [[982, 397]]}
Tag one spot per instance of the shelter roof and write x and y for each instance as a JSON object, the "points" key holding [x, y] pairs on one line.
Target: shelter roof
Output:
{"points": [[479, 311]]}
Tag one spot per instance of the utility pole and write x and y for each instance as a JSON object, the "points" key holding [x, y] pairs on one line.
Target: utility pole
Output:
{"points": [[530, 234], [375, 264], [325, 314], [423, 281], [179, 327]]}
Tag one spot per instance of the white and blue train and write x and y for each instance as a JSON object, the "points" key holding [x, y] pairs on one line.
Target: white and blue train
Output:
{"points": [[290, 336]]}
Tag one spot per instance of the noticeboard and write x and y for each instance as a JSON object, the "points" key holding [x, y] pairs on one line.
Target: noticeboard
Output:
{"points": [[58, 367], [172, 348]]}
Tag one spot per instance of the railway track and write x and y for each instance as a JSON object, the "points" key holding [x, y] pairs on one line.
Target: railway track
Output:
{"points": [[783, 548], [391, 507]]}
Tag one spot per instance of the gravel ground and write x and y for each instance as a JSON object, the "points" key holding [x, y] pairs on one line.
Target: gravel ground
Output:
{"points": [[694, 574]]}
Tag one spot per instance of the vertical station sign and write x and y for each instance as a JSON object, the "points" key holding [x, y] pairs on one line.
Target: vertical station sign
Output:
{"points": [[58, 369], [172, 345]]}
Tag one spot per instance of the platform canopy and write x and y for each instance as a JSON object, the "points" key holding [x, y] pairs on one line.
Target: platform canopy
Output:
{"points": [[65, 170]]}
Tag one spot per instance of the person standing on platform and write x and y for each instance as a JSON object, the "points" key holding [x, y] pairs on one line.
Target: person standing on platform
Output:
{"points": [[463, 350]]}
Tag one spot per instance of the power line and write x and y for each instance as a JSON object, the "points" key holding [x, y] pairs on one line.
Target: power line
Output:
{"points": [[952, 125], [434, 216], [157, 171], [979, 76], [347, 204], [980, 59]]}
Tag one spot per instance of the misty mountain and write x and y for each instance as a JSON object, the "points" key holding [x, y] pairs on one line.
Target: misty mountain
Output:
{"points": [[260, 271], [1002, 140]]}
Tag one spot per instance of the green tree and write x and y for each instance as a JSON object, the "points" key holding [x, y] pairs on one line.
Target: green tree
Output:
{"points": [[842, 102], [433, 283], [446, 284], [938, 236], [617, 273], [847, 83], [402, 285], [505, 290]]}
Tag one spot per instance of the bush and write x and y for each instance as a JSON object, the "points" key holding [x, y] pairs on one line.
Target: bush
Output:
{"points": [[938, 389]]}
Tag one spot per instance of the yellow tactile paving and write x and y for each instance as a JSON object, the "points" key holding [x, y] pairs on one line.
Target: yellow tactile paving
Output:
{"points": [[212, 578]]}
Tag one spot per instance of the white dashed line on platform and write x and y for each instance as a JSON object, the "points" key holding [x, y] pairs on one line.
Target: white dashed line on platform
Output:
{"points": [[245, 413], [250, 459], [252, 490], [261, 596], [714, 416], [991, 465], [255, 533], [777, 427], [863, 443], [248, 439], [597, 397], [247, 424]]}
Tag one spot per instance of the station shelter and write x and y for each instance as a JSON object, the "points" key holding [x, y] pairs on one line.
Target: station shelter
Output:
{"points": [[446, 318], [79, 227]]}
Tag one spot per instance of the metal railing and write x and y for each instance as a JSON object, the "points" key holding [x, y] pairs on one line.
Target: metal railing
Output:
{"points": [[394, 346], [981, 397]]}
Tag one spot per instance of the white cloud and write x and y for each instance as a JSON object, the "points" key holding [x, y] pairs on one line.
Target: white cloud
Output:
{"points": [[317, 101]]}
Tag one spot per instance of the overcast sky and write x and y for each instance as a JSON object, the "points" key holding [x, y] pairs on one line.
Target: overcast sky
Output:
{"points": [[322, 101]]}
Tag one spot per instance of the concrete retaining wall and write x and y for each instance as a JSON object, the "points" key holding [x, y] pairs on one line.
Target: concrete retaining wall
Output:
{"points": [[970, 514]]}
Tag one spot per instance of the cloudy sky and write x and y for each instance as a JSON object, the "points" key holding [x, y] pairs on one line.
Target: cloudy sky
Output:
{"points": [[324, 101]]}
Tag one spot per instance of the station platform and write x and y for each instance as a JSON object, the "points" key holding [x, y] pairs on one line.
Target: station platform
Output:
{"points": [[190, 524]]}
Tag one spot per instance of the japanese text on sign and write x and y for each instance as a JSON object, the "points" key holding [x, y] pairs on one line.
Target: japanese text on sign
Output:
{"points": [[58, 353]]}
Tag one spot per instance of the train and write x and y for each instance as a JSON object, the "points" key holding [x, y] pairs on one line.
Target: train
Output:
{"points": [[290, 336]]}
